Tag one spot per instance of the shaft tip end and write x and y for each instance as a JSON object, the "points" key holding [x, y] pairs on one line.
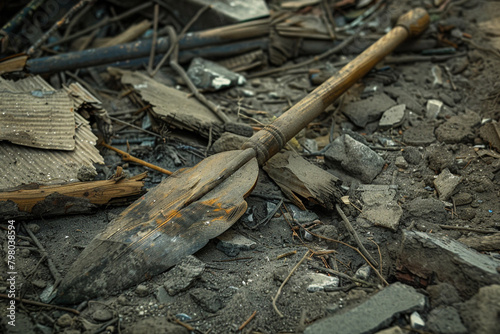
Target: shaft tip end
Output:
{"points": [[415, 21]]}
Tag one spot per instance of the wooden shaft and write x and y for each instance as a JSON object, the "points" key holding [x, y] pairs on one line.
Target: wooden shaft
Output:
{"points": [[273, 137]]}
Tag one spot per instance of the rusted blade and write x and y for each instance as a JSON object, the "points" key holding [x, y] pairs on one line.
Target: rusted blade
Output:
{"points": [[159, 229]]}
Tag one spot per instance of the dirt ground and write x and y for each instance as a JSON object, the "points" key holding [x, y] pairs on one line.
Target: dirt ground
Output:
{"points": [[224, 291]]}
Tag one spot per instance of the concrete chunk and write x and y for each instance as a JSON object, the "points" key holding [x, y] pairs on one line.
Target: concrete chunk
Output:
{"points": [[446, 184], [375, 313]]}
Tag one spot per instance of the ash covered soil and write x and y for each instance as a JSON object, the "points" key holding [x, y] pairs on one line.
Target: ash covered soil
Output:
{"points": [[429, 214]]}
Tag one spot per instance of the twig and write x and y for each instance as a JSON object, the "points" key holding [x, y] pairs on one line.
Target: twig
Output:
{"points": [[354, 234], [128, 157], [351, 247], [172, 36], [247, 321], [75, 20], [284, 282], [105, 325], [341, 274], [286, 254], [183, 324], [155, 36], [379, 255], [135, 127], [32, 302], [480, 47], [58, 24], [43, 252]]}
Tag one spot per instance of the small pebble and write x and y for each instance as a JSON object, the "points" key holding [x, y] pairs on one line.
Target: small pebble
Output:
{"points": [[141, 290], [65, 320], [102, 315]]}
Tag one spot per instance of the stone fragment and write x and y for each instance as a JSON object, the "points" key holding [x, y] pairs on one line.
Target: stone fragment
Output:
{"points": [[429, 209], [446, 183], [490, 133], [403, 97], [462, 199], [227, 142], [375, 313], [412, 155], [453, 133], [212, 76], [183, 275], [401, 162], [392, 117], [416, 321], [102, 314], [206, 299], [419, 135], [443, 294], [321, 282], [439, 158], [368, 110], [141, 290], [163, 297], [433, 108], [448, 100], [355, 158], [363, 272], [437, 75], [387, 214], [480, 313], [65, 320], [156, 325], [452, 262], [445, 320], [231, 243], [483, 243]]}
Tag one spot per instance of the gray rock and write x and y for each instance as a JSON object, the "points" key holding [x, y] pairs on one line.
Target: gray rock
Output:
{"points": [[355, 158], [320, 282], [231, 243], [373, 314], [452, 262], [212, 76], [419, 135], [433, 108], [163, 297], [403, 97], [448, 100], [440, 158], [443, 294], [363, 272], [446, 184], [206, 299], [102, 314], [65, 320], [453, 133], [429, 209], [462, 199], [141, 290], [480, 313], [183, 275], [445, 320], [401, 162], [387, 214], [416, 321], [437, 75], [412, 155], [368, 110], [392, 117]]}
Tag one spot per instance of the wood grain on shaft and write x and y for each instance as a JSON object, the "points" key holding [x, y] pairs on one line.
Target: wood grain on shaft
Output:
{"points": [[272, 138]]}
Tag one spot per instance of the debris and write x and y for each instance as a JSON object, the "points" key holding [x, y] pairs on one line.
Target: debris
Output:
{"points": [[401, 162], [386, 213], [482, 243], [183, 275], [375, 313], [420, 135], [297, 177], [437, 74], [142, 290], [480, 313], [354, 157], [446, 184], [368, 110], [102, 314], [433, 108], [403, 97], [416, 321], [452, 262], [71, 198], [462, 199], [173, 106], [490, 133], [212, 76], [393, 117], [321, 282], [52, 166], [445, 320], [159, 325], [206, 299], [363, 272], [231, 243]]}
